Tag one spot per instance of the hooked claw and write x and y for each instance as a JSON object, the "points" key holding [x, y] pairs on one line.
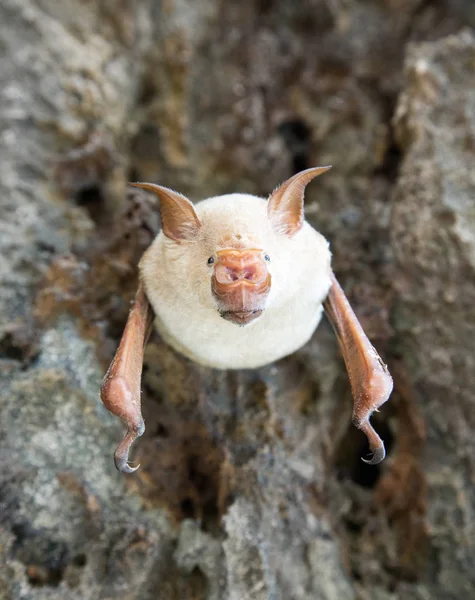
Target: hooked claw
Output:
{"points": [[378, 456], [121, 455], [122, 465], [375, 442]]}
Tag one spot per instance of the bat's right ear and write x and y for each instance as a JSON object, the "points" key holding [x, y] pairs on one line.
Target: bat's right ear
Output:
{"points": [[285, 204], [179, 219]]}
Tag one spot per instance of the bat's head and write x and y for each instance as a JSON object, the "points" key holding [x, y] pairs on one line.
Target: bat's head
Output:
{"points": [[235, 254]]}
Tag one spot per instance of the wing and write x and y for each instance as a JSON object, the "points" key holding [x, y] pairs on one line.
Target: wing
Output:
{"points": [[120, 389], [370, 380]]}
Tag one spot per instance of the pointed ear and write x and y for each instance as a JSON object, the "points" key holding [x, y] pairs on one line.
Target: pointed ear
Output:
{"points": [[178, 216], [285, 205]]}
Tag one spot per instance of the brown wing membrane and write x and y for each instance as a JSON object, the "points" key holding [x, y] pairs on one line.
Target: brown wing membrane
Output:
{"points": [[120, 389], [371, 383]]}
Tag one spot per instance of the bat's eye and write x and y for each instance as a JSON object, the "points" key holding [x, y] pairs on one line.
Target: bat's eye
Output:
{"points": [[266, 257], [210, 260]]}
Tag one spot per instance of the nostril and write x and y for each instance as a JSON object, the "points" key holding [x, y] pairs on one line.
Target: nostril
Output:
{"points": [[255, 274], [226, 274], [231, 270]]}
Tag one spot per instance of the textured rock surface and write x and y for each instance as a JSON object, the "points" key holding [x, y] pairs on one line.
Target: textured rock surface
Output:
{"points": [[250, 484], [433, 237]]}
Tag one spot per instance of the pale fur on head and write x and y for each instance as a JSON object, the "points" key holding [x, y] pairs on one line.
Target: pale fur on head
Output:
{"points": [[177, 281]]}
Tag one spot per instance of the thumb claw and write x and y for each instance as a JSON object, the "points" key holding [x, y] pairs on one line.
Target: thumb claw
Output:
{"points": [[378, 456], [376, 444], [123, 466], [121, 455]]}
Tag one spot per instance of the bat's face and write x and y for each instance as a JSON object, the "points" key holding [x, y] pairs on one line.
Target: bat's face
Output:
{"points": [[238, 264]]}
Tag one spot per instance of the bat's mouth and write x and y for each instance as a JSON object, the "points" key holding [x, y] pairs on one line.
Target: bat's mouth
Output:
{"points": [[241, 317]]}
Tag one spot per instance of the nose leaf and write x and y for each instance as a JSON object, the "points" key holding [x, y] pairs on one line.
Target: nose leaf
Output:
{"points": [[240, 266], [230, 274]]}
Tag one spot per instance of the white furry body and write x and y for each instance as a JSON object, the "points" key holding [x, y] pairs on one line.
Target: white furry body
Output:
{"points": [[177, 282]]}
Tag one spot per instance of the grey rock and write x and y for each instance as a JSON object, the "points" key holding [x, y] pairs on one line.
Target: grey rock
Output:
{"points": [[433, 225]]}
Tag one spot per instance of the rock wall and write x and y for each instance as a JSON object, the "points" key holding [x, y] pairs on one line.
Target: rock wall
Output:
{"points": [[251, 484]]}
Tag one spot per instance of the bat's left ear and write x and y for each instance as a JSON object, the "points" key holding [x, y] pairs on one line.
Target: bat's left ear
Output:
{"points": [[285, 205]]}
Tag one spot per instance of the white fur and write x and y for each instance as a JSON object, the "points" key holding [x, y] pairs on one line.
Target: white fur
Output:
{"points": [[177, 281]]}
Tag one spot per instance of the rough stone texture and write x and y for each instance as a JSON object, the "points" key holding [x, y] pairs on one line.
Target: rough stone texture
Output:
{"points": [[433, 236], [250, 484]]}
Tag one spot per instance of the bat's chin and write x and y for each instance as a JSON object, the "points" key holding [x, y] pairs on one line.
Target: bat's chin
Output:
{"points": [[241, 317]]}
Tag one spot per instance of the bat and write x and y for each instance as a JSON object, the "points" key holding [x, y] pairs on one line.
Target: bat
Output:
{"points": [[237, 281]]}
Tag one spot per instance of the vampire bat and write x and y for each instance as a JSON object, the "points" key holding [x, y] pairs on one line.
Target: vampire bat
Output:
{"points": [[238, 282]]}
